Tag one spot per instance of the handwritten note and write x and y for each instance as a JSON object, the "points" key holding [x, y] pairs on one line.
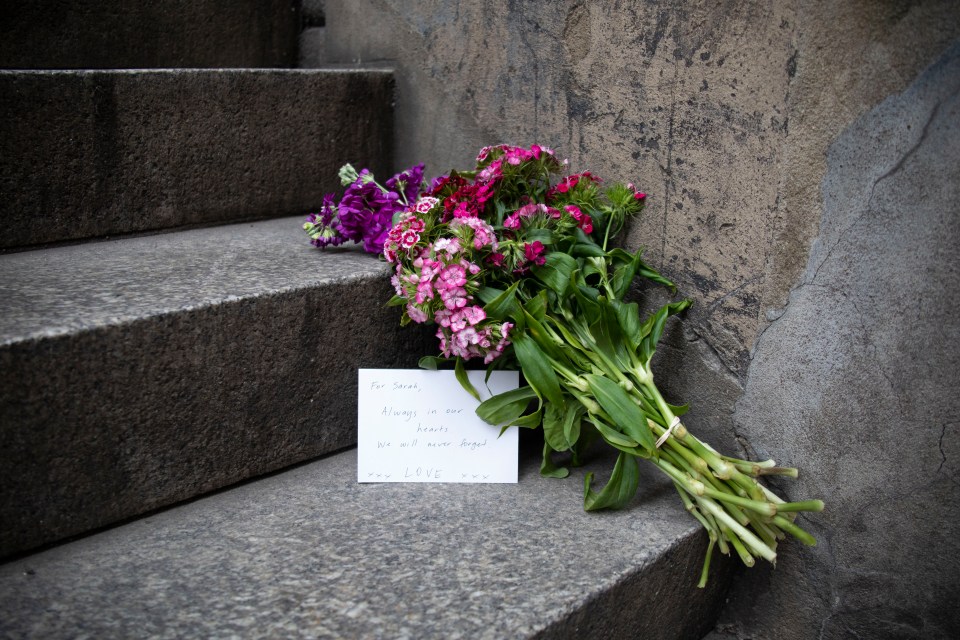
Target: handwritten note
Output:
{"points": [[420, 426]]}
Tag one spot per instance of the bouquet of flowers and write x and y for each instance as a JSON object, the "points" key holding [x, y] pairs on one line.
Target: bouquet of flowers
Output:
{"points": [[512, 262]]}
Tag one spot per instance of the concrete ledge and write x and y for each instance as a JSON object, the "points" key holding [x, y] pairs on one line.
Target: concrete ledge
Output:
{"points": [[310, 553], [105, 34], [140, 372], [95, 153]]}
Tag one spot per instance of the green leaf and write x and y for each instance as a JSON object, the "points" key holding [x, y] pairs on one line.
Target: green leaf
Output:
{"points": [[659, 322], [543, 235], [586, 298], [548, 469], [571, 422], [396, 301], [624, 412], [594, 266], [614, 437], [556, 271], [619, 490], [537, 305], [613, 333], [631, 265], [646, 271], [464, 381], [431, 362], [672, 309], [572, 339], [606, 335], [553, 428], [537, 331], [537, 368], [505, 305], [624, 274], [678, 410], [501, 211], [488, 294], [649, 408], [506, 407], [655, 325], [628, 317], [588, 435], [581, 336], [529, 421], [588, 249]]}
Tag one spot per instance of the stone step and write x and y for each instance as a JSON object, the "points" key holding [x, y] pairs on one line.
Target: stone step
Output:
{"points": [[313, 48], [88, 154], [313, 37], [310, 553], [139, 372], [112, 34]]}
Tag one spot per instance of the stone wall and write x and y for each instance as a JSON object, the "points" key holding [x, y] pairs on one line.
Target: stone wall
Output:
{"points": [[801, 160], [857, 379]]}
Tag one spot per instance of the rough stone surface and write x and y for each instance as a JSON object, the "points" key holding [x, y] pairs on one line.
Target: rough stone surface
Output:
{"points": [[695, 102], [94, 153], [311, 553], [139, 372], [686, 100], [313, 48], [724, 113], [98, 34], [312, 13], [868, 405]]}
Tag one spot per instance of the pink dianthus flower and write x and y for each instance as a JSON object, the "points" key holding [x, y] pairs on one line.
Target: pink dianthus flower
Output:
{"points": [[451, 276], [424, 204], [533, 252], [417, 314], [474, 314]]}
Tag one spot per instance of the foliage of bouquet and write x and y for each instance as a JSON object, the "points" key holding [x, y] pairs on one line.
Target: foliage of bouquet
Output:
{"points": [[512, 262]]}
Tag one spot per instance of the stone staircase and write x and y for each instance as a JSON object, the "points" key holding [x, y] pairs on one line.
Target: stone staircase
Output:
{"points": [[178, 367]]}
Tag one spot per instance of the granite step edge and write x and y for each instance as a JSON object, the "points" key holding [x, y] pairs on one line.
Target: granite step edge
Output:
{"points": [[211, 381], [93, 153], [312, 553]]}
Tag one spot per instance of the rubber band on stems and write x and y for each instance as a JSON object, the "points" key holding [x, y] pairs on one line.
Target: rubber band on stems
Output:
{"points": [[666, 434]]}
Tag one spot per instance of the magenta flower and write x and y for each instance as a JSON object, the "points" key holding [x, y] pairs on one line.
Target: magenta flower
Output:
{"points": [[491, 173], [533, 252], [512, 221], [516, 155], [409, 239], [583, 220]]}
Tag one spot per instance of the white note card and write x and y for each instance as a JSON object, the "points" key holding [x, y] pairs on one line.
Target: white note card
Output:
{"points": [[415, 425]]}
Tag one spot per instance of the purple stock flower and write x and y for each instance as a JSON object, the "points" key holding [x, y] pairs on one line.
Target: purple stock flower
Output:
{"points": [[408, 181], [366, 213], [321, 227]]}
